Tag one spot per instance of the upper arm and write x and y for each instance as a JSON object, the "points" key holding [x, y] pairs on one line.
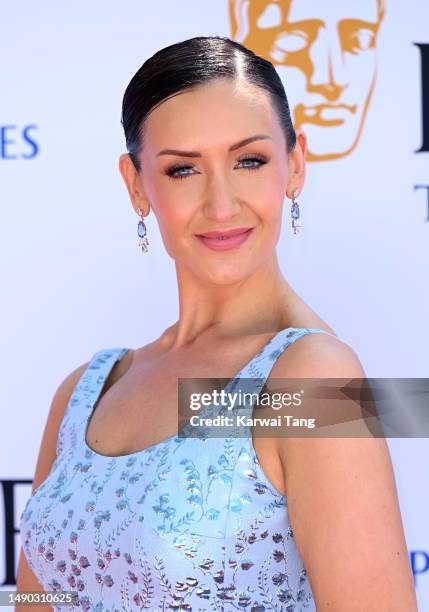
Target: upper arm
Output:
{"points": [[342, 501], [47, 454]]}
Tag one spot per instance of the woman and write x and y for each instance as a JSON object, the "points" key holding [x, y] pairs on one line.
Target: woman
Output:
{"points": [[129, 514]]}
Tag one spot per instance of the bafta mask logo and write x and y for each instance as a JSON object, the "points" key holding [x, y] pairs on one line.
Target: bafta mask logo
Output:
{"points": [[325, 54]]}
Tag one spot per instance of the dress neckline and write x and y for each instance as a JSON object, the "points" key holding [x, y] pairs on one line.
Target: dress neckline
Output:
{"points": [[121, 354]]}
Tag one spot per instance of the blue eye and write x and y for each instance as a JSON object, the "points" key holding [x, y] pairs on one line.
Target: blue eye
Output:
{"points": [[171, 171], [253, 158], [175, 172]]}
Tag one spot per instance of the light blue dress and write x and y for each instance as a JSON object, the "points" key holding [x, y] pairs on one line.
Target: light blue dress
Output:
{"points": [[188, 524]]}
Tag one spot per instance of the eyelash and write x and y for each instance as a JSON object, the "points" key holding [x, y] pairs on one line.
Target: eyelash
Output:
{"points": [[176, 167]]}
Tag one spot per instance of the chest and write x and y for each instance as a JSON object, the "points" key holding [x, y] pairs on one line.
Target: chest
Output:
{"points": [[140, 408]]}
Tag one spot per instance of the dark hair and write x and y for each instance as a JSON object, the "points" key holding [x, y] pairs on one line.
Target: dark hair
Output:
{"points": [[191, 63]]}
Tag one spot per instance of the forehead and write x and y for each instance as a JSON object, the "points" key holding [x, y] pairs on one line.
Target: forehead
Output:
{"points": [[214, 112], [232, 97], [331, 10]]}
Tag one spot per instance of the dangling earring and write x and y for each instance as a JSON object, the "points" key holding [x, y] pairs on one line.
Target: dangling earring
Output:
{"points": [[143, 242], [294, 211]]}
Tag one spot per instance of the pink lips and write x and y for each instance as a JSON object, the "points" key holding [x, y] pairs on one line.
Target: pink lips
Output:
{"points": [[225, 240]]}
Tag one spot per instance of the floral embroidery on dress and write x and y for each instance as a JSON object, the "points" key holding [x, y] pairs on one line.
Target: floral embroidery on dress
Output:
{"points": [[189, 524]]}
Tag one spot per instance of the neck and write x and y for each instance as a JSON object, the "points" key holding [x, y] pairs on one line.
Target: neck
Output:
{"points": [[260, 303]]}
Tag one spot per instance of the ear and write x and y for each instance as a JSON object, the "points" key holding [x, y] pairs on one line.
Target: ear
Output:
{"points": [[134, 184], [296, 175]]}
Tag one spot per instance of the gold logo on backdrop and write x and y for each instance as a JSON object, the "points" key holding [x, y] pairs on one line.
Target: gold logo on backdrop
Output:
{"points": [[325, 54]]}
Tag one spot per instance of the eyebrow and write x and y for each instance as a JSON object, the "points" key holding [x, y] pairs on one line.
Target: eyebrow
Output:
{"points": [[233, 147]]}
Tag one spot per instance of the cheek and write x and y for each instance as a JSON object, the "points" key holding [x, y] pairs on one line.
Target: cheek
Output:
{"points": [[169, 199], [173, 211], [165, 199], [267, 196]]}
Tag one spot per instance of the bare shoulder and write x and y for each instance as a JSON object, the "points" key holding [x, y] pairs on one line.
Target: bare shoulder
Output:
{"points": [[342, 499], [319, 355], [314, 355]]}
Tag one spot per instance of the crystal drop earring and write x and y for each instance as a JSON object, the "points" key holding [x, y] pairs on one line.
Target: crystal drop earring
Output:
{"points": [[294, 211], [143, 242]]}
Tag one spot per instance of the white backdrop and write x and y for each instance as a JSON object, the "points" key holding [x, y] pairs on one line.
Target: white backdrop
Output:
{"points": [[73, 278]]}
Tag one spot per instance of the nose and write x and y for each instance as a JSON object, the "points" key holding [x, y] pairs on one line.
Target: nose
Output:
{"points": [[329, 74], [220, 203]]}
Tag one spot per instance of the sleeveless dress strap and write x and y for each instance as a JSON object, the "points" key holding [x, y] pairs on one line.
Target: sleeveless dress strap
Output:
{"points": [[254, 376], [250, 379], [85, 395], [259, 369]]}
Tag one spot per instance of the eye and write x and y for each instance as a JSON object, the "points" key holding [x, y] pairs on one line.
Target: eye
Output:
{"points": [[253, 158], [181, 171], [172, 170]]}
